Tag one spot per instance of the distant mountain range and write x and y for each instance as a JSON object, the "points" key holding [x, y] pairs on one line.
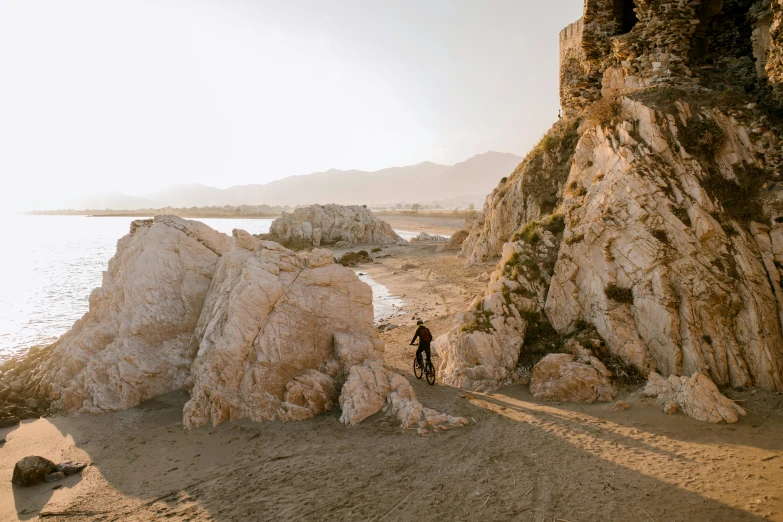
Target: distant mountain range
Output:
{"points": [[426, 183]]}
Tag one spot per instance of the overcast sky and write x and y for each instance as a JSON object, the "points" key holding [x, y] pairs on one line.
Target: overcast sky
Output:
{"points": [[134, 95]]}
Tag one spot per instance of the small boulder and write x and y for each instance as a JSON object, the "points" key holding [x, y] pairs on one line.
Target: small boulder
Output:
{"points": [[342, 244], [32, 470], [697, 396], [355, 258], [620, 406], [560, 377]]}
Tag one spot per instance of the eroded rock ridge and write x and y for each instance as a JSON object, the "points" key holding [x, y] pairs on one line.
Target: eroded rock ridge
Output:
{"points": [[651, 213]]}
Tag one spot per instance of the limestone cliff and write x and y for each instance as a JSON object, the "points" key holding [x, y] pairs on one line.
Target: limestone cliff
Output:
{"points": [[668, 182]]}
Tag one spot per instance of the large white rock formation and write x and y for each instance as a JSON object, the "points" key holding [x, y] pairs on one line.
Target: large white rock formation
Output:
{"points": [[253, 329], [134, 342], [481, 352], [700, 292], [329, 224], [283, 335], [266, 332], [672, 246]]}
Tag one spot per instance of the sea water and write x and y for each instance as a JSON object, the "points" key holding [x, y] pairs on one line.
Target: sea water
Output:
{"points": [[50, 264]]}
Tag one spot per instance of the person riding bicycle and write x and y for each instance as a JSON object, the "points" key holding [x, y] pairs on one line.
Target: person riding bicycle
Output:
{"points": [[425, 338]]}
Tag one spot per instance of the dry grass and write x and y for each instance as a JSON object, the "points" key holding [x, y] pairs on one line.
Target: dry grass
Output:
{"points": [[604, 112]]}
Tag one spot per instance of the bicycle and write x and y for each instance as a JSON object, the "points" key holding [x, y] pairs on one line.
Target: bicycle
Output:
{"points": [[419, 369]]}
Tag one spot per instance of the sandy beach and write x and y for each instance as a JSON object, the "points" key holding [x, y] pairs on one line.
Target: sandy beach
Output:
{"points": [[519, 459], [423, 223]]}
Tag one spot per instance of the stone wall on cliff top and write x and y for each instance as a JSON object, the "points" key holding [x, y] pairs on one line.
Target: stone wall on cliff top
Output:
{"points": [[774, 62], [622, 45]]}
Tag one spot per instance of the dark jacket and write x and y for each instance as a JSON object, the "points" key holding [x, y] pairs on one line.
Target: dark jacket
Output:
{"points": [[418, 335]]}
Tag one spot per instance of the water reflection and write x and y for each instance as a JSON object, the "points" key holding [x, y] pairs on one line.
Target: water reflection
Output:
{"points": [[385, 304]]}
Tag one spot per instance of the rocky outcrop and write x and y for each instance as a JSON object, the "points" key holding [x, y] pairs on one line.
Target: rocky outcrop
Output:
{"points": [[423, 236], [482, 351], [371, 388], [656, 253], [134, 343], [561, 377], [697, 396], [671, 199], [266, 333], [288, 336], [252, 329], [32, 470], [328, 224], [671, 245]]}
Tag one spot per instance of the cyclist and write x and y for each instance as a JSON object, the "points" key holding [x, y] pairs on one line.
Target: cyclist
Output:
{"points": [[425, 338]]}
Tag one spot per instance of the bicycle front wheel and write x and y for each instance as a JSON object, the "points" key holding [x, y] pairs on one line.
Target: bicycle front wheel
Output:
{"points": [[418, 371]]}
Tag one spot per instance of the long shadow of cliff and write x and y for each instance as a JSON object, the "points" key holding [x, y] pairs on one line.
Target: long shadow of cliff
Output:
{"points": [[514, 463]]}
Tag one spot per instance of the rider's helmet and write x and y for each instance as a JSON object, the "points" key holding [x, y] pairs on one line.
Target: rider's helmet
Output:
{"points": [[419, 322]]}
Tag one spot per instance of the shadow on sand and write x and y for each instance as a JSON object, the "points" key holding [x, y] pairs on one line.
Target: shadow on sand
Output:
{"points": [[517, 460]]}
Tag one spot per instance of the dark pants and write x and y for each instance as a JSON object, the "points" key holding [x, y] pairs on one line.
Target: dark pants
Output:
{"points": [[424, 347]]}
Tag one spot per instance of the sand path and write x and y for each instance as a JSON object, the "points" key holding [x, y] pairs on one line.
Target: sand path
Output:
{"points": [[518, 460]]}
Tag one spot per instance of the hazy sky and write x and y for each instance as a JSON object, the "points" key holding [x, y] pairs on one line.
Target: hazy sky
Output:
{"points": [[134, 95]]}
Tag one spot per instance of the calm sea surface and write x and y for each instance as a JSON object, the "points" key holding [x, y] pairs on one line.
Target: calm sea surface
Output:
{"points": [[50, 264]]}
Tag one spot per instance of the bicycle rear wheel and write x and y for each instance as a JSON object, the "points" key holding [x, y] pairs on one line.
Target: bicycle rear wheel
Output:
{"points": [[430, 371], [418, 371]]}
